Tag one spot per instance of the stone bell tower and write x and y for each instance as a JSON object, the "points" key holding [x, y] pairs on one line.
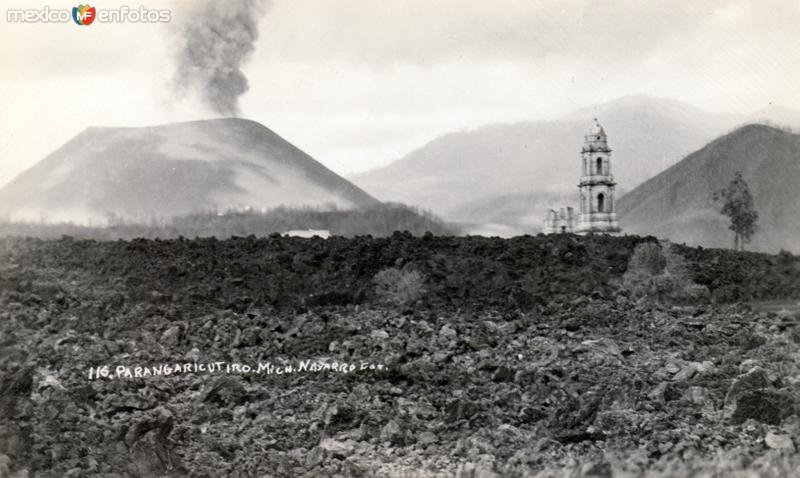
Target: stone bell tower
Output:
{"points": [[597, 185]]}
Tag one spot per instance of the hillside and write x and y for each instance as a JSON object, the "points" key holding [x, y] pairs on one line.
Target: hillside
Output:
{"points": [[677, 203], [647, 135], [176, 169], [378, 221]]}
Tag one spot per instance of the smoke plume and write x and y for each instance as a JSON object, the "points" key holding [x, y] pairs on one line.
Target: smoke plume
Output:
{"points": [[218, 37]]}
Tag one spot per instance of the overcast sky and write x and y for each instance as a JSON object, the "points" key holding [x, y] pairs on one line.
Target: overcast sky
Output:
{"points": [[359, 83]]}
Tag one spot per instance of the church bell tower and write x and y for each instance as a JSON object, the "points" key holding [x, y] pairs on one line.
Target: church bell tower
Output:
{"points": [[597, 209]]}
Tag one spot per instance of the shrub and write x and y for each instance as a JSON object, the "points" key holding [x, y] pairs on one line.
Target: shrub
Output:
{"points": [[656, 272], [647, 258], [399, 287]]}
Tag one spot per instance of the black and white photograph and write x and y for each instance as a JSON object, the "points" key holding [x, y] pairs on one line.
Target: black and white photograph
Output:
{"points": [[400, 238]]}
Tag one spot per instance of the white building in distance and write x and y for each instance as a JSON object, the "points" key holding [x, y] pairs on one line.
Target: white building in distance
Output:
{"points": [[596, 186]]}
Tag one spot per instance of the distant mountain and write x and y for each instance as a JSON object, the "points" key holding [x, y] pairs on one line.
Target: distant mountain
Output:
{"points": [[459, 174], [677, 204], [176, 169], [647, 135]]}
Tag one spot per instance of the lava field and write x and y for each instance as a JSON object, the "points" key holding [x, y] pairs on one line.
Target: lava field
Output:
{"points": [[261, 357]]}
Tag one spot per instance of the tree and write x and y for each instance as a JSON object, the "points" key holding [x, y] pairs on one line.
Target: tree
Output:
{"points": [[739, 207]]}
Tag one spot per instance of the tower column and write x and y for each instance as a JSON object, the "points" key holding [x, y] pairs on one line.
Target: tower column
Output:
{"points": [[597, 215]]}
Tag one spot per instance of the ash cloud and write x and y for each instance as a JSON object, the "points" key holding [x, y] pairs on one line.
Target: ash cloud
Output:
{"points": [[217, 39]]}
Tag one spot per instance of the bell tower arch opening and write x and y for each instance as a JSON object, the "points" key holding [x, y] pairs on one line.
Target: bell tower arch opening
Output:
{"points": [[599, 165], [601, 202]]}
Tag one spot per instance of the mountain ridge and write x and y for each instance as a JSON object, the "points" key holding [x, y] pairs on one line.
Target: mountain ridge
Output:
{"points": [[540, 156], [458, 175], [677, 204]]}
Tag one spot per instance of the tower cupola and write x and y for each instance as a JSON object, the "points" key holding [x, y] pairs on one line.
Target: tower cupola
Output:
{"points": [[595, 139]]}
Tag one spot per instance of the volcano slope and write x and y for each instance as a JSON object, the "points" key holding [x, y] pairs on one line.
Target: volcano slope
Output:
{"points": [[156, 173], [521, 357]]}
